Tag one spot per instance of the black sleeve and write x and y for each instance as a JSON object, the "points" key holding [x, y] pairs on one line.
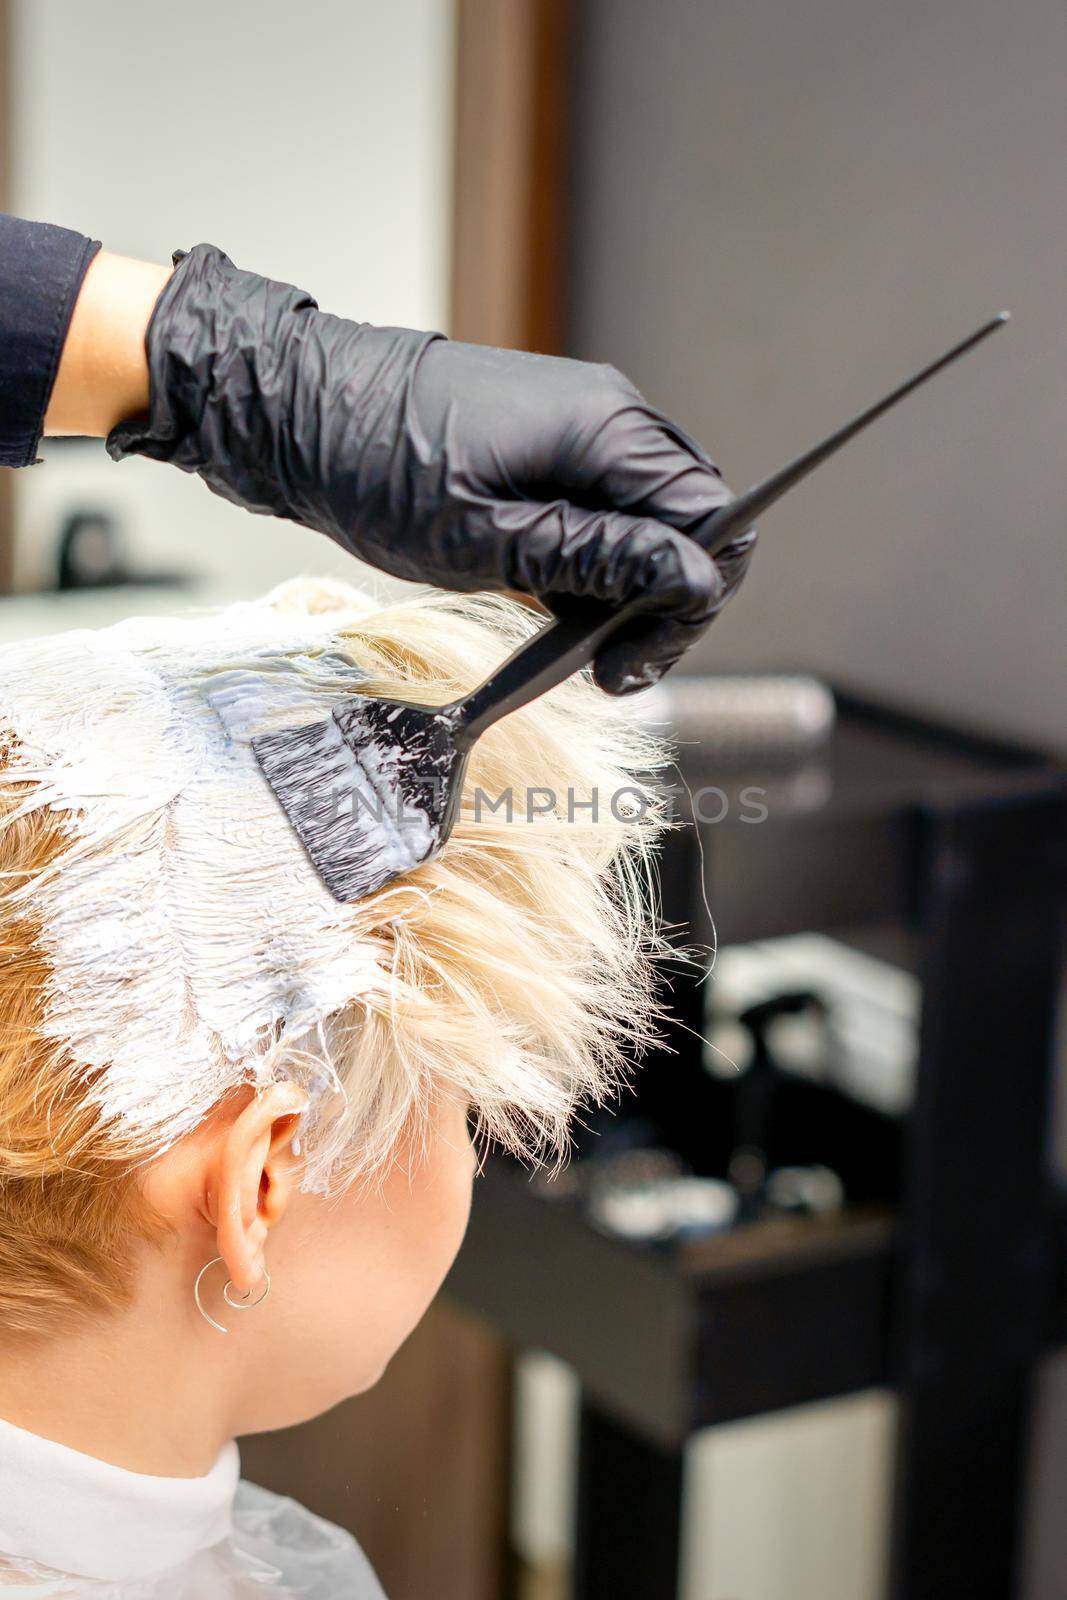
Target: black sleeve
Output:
{"points": [[41, 272]]}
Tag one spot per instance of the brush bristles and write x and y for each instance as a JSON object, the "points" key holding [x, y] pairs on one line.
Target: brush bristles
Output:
{"points": [[364, 797]]}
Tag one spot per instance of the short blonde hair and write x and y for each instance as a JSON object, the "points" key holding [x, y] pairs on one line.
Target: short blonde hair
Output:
{"points": [[517, 966]]}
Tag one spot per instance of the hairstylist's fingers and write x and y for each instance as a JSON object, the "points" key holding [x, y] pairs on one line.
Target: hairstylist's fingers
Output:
{"points": [[563, 554], [562, 549], [733, 559], [646, 465], [663, 644], [639, 657], [653, 468], [660, 471]]}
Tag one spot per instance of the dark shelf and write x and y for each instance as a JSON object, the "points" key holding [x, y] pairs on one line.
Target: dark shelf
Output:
{"points": [[949, 1277], [760, 1317], [674, 1340]]}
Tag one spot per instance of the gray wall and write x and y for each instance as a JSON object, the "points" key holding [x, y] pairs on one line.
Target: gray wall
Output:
{"points": [[780, 210]]}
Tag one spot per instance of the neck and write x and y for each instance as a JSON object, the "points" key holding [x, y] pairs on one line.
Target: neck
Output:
{"points": [[139, 1390]]}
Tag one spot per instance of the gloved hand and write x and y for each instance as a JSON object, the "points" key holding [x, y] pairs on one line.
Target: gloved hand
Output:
{"points": [[456, 465]]}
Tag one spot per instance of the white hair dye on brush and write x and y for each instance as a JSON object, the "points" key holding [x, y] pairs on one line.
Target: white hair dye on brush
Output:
{"points": [[139, 736]]}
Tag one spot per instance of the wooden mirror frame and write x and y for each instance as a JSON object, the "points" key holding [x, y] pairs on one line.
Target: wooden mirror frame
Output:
{"points": [[510, 176]]}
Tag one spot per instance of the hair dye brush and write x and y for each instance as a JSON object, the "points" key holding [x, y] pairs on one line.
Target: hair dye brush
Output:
{"points": [[375, 789]]}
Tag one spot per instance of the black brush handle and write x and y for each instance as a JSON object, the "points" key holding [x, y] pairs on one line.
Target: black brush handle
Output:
{"points": [[552, 655], [725, 523], [565, 646]]}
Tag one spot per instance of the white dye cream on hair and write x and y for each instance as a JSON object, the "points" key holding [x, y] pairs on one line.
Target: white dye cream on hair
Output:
{"points": [[192, 946]]}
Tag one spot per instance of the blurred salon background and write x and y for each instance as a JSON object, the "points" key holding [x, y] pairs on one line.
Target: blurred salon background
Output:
{"points": [[790, 1327]]}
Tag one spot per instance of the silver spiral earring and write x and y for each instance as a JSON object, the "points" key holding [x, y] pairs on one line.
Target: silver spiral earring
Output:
{"points": [[243, 1302]]}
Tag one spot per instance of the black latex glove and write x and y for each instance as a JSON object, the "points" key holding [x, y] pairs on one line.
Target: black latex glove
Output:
{"points": [[452, 464]]}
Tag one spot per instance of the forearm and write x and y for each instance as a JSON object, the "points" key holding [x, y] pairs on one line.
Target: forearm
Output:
{"points": [[102, 376]]}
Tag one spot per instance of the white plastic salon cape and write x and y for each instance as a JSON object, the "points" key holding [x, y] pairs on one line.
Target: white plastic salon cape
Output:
{"points": [[72, 1526]]}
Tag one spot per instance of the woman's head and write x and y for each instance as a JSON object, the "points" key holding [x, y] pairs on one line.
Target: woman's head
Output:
{"points": [[180, 998]]}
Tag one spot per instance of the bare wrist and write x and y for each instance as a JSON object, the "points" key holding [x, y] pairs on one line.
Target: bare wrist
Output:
{"points": [[103, 371]]}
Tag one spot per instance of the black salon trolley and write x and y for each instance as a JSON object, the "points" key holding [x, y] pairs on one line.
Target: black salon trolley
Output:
{"points": [[945, 1280]]}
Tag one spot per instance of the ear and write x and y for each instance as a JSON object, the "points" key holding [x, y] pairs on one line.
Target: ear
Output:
{"points": [[255, 1174]]}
